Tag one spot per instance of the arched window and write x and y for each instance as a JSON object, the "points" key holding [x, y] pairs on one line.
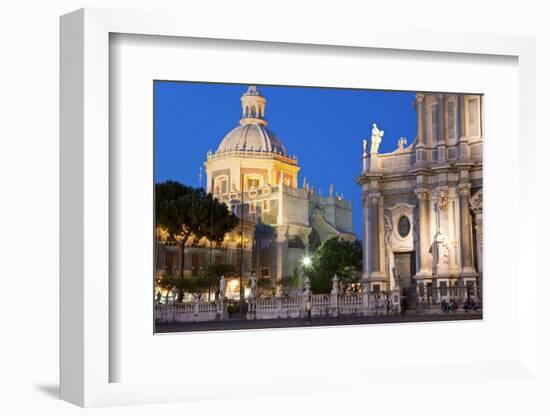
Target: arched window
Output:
{"points": [[253, 111]]}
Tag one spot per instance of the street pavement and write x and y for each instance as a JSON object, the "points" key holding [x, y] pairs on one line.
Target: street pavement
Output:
{"points": [[236, 324]]}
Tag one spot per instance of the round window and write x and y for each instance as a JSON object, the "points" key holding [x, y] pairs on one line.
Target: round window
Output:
{"points": [[404, 226]]}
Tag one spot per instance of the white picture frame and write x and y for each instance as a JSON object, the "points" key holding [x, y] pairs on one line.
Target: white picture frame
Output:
{"points": [[86, 354]]}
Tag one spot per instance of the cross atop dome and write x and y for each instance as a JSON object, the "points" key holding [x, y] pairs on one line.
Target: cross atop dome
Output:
{"points": [[253, 103]]}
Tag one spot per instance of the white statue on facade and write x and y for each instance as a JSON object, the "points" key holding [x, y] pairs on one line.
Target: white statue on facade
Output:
{"points": [[401, 143], [376, 138], [439, 251], [331, 190]]}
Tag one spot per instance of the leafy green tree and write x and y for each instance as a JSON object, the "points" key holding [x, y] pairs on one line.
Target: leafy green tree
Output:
{"points": [[335, 256], [168, 282], [289, 283], [196, 285], [220, 221], [183, 211]]}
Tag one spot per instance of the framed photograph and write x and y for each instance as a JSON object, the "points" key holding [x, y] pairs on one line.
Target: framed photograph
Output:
{"points": [[251, 208], [245, 240]]}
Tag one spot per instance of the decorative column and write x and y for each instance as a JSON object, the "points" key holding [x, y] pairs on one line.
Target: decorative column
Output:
{"points": [[374, 234], [442, 231], [366, 237], [462, 123], [442, 130], [281, 250], [423, 195], [280, 212], [466, 231], [421, 142], [476, 203], [381, 239]]}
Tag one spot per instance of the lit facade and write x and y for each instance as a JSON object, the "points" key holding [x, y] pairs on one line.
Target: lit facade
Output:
{"points": [[281, 219], [422, 204]]}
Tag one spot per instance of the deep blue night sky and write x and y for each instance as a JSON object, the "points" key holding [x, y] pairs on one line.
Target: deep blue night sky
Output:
{"points": [[323, 127]]}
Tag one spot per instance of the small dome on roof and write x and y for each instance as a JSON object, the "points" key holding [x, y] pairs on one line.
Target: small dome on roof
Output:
{"points": [[252, 136]]}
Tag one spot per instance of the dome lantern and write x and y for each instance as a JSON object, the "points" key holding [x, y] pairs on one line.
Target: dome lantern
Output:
{"points": [[252, 133], [253, 103]]}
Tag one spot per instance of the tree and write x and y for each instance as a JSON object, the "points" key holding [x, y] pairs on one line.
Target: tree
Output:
{"points": [[168, 282], [195, 285], [183, 211], [335, 256], [289, 283]]}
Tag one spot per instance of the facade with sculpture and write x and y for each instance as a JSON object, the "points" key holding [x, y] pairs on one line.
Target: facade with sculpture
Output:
{"points": [[423, 205]]}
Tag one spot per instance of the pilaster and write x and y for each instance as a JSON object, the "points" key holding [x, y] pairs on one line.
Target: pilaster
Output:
{"points": [[442, 130], [423, 195], [421, 156], [466, 231]]}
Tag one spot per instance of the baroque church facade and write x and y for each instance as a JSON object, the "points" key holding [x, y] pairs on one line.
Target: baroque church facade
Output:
{"points": [[280, 221], [422, 204]]}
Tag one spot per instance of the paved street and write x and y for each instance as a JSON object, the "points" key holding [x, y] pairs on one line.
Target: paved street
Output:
{"points": [[286, 323]]}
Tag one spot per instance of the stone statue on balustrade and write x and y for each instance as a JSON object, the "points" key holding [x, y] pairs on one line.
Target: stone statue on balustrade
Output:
{"points": [[335, 286], [253, 285], [223, 285], [307, 286]]}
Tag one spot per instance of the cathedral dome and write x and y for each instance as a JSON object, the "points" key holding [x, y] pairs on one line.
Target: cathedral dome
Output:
{"points": [[252, 134]]}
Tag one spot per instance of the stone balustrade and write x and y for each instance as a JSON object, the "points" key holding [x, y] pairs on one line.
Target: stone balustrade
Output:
{"points": [[187, 312], [277, 308], [285, 307]]}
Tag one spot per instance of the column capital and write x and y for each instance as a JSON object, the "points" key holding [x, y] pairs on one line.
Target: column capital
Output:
{"points": [[419, 97], [282, 233], [422, 193], [464, 188], [373, 197], [442, 195]]}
